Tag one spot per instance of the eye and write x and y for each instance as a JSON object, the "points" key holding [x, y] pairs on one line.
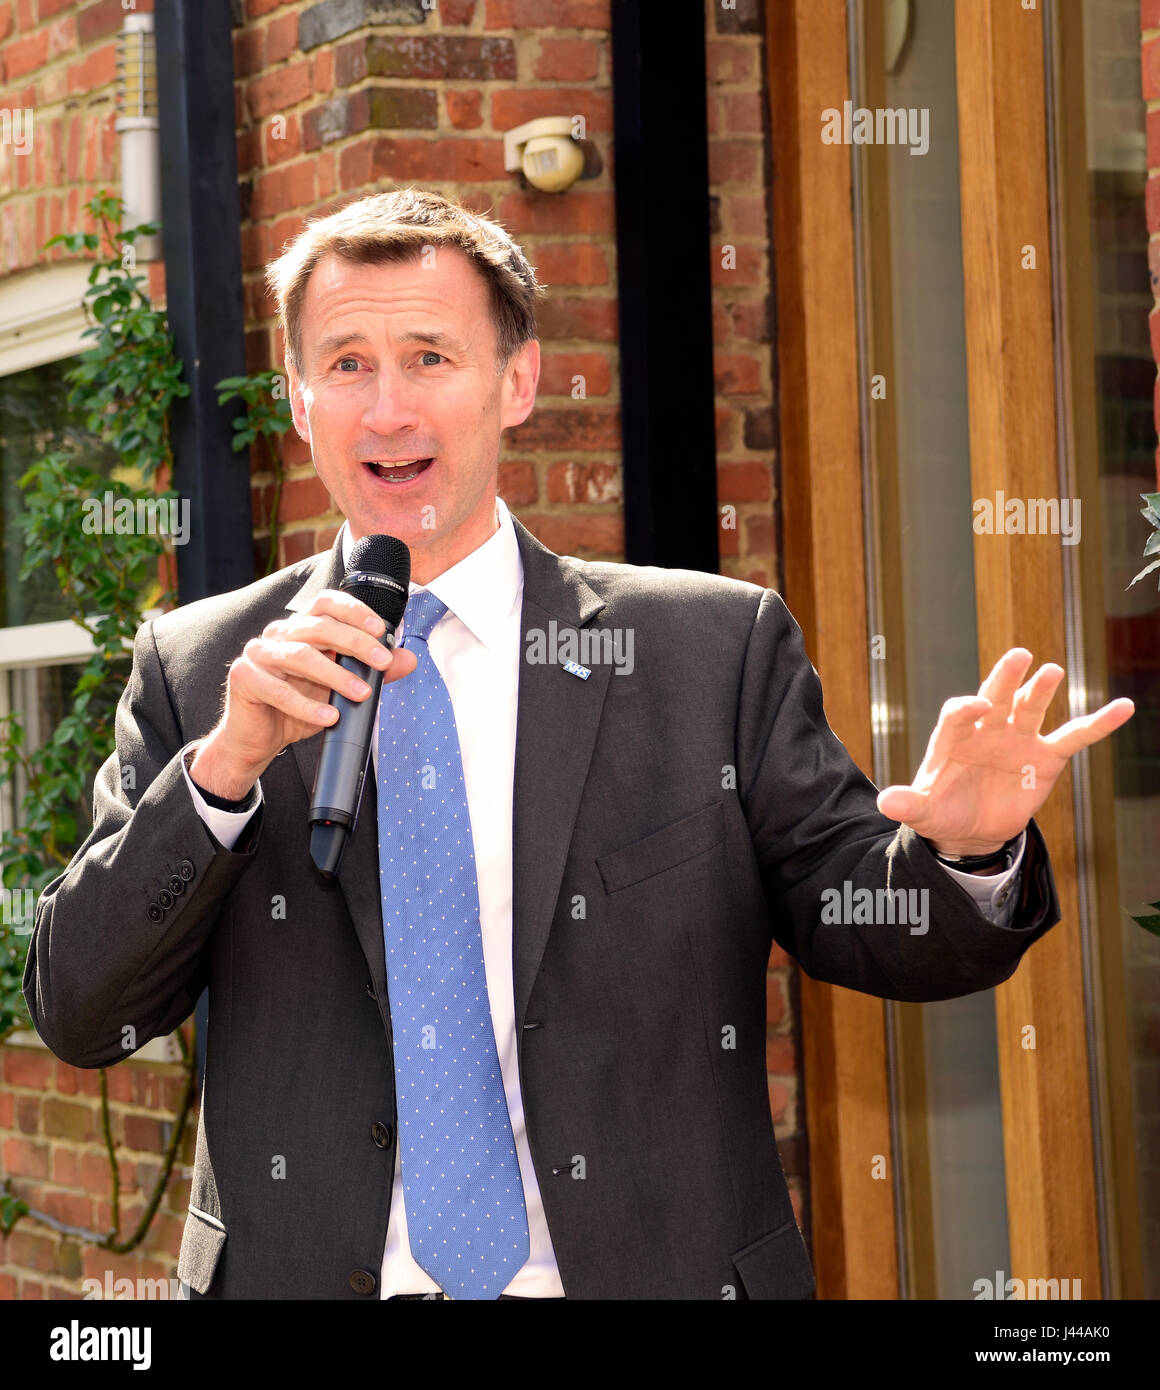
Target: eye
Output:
{"points": [[341, 360], [429, 353]]}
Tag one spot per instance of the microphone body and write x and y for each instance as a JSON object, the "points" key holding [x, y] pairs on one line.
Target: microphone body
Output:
{"points": [[379, 575]]}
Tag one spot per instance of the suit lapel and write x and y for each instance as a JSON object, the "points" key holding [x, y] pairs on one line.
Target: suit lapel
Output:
{"points": [[556, 721]]}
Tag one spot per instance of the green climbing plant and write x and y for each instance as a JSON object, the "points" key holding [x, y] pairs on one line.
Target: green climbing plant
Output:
{"points": [[110, 576]]}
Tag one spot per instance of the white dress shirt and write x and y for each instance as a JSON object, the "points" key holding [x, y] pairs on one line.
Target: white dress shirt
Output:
{"points": [[476, 648]]}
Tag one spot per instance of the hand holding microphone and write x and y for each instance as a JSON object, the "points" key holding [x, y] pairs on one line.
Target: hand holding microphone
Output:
{"points": [[276, 691]]}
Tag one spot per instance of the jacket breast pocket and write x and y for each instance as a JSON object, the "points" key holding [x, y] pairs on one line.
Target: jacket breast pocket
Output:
{"points": [[201, 1248], [663, 849], [776, 1265]]}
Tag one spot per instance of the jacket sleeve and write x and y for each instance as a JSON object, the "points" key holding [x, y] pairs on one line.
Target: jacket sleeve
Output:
{"points": [[820, 839], [118, 950]]}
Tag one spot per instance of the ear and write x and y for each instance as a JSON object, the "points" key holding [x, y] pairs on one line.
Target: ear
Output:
{"points": [[519, 385], [298, 405]]}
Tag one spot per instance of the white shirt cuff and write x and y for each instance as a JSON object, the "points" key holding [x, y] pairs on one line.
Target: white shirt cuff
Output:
{"points": [[224, 826], [995, 894]]}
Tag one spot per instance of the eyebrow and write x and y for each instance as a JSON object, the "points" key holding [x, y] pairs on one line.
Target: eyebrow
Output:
{"points": [[335, 342]]}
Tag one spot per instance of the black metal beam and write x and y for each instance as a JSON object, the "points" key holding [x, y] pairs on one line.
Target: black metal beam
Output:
{"points": [[203, 279], [662, 247]]}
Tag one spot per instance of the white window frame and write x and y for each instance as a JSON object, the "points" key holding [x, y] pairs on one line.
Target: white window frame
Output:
{"points": [[42, 319]]}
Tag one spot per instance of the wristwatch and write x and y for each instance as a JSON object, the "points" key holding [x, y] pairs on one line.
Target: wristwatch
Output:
{"points": [[998, 859]]}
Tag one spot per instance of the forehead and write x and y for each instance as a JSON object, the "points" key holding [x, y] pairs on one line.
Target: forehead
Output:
{"points": [[446, 287]]}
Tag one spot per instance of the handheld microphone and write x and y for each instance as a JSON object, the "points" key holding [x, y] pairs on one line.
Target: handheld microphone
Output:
{"points": [[379, 574]]}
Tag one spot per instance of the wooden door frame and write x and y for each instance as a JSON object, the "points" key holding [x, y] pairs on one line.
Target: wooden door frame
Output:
{"points": [[1019, 594]]}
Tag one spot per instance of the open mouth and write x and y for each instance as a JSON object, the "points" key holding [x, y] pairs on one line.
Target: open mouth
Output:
{"points": [[399, 472]]}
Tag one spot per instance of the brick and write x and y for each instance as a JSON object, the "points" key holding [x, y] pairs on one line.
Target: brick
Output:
{"points": [[517, 483], [7, 1281], [456, 13], [72, 1208], [322, 71], [576, 215], [593, 319], [512, 106], [282, 139], [26, 55], [278, 91], [299, 545], [65, 1165], [31, 1250], [575, 534], [255, 9], [249, 52], [95, 1174], [759, 428], [28, 1114], [759, 534], [447, 160], [778, 1101], [574, 263], [547, 14], [45, 9], [752, 320], [780, 1056], [7, 1109], [742, 112], [567, 60], [332, 19], [733, 161], [350, 62], [1149, 14], [282, 189], [442, 57], [724, 420], [744, 482], [24, 1067], [737, 373], [728, 60], [281, 38], [96, 69], [585, 482], [62, 37], [67, 1120], [1149, 68], [31, 1289], [101, 20], [743, 18], [25, 1158], [146, 1132], [403, 108], [304, 498], [774, 998], [464, 109], [581, 427], [6, 26], [557, 370]]}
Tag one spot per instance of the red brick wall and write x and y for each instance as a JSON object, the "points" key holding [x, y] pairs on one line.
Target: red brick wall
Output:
{"points": [[425, 104]]}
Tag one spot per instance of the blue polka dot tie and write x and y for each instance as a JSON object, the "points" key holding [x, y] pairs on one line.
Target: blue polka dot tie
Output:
{"points": [[466, 1219]]}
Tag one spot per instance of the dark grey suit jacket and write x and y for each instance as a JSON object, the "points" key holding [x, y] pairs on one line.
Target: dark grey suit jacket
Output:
{"points": [[700, 806]]}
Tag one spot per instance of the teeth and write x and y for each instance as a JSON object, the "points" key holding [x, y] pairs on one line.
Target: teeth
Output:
{"points": [[398, 477]]}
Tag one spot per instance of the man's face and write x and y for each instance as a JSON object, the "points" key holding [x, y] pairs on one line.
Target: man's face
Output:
{"points": [[398, 371]]}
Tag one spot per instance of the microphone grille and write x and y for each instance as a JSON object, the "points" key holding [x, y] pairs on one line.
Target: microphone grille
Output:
{"points": [[389, 558]]}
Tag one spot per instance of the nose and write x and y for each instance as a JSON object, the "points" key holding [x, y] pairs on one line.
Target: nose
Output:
{"points": [[390, 403]]}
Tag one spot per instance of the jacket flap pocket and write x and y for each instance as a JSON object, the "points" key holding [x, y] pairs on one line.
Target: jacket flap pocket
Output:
{"points": [[776, 1265], [663, 849], [201, 1246]]}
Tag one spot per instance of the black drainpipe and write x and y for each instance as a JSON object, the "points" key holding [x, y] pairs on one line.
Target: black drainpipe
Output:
{"points": [[203, 277], [662, 248]]}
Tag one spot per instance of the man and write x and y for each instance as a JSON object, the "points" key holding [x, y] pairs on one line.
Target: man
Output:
{"points": [[519, 1051]]}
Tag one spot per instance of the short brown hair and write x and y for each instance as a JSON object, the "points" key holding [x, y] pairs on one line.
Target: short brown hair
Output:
{"points": [[394, 227]]}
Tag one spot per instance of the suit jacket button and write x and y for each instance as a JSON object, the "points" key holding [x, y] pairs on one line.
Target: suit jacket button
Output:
{"points": [[154, 913], [381, 1134], [362, 1281], [177, 885], [165, 898], [186, 869]]}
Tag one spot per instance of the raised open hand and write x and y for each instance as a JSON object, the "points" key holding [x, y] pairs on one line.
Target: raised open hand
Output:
{"points": [[987, 768]]}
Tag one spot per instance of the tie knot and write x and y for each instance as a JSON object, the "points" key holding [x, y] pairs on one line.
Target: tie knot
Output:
{"points": [[423, 611]]}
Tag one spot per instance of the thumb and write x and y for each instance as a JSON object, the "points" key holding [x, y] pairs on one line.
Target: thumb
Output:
{"points": [[900, 803], [403, 662]]}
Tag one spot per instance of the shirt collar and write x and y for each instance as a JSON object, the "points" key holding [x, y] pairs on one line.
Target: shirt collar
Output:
{"points": [[484, 587]]}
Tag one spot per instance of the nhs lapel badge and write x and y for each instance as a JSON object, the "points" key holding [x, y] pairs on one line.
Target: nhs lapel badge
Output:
{"points": [[575, 669]]}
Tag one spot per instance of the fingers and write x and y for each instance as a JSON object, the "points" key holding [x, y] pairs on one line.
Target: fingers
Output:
{"points": [[252, 682], [1000, 685], [327, 632], [1078, 733], [1032, 699]]}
